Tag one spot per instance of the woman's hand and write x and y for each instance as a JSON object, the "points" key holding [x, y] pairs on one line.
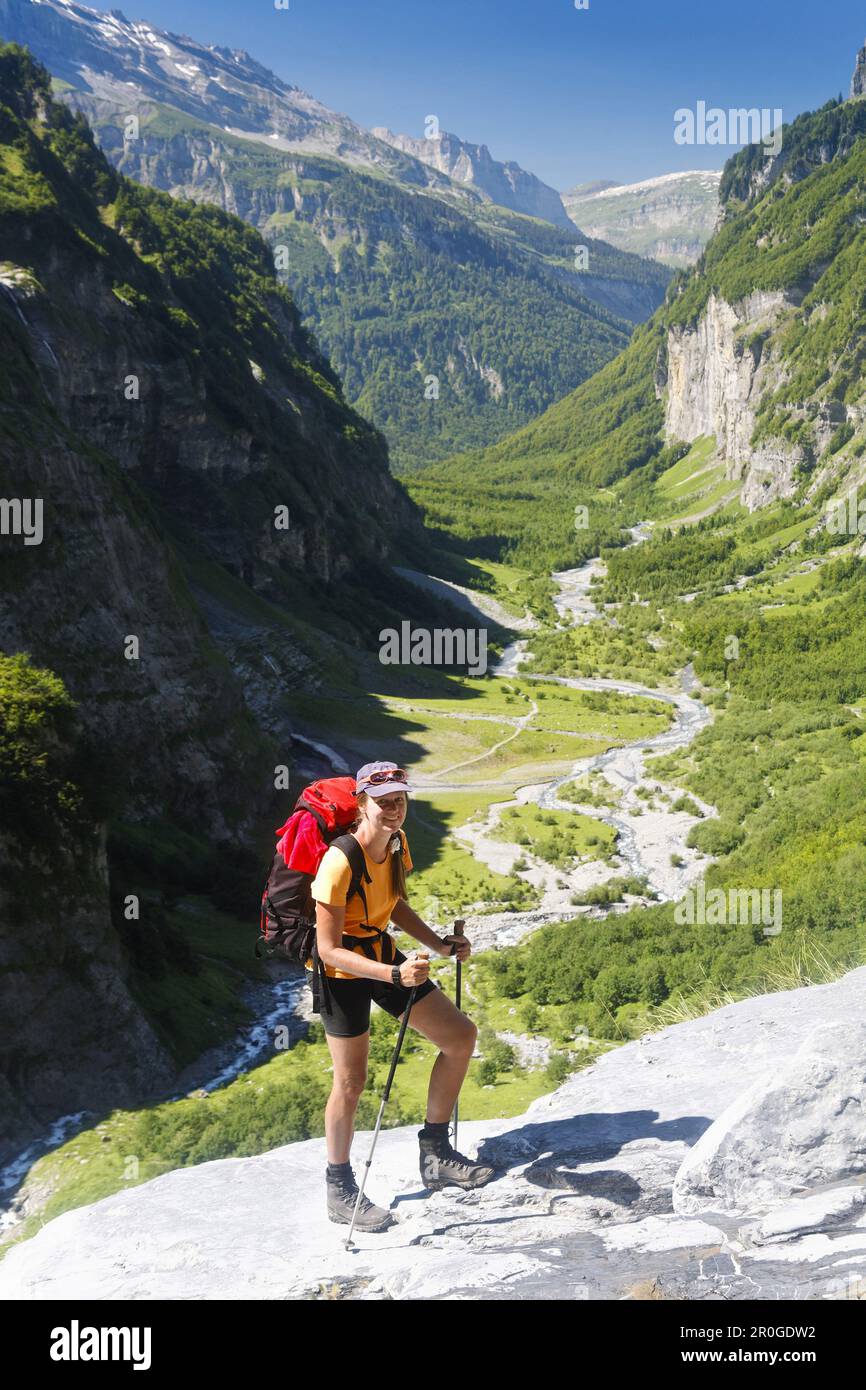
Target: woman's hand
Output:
{"points": [[464, 950], [415, 970]]}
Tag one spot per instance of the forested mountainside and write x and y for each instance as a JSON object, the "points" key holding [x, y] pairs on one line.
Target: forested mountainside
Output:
{"points": [[760, 347], [810, 140], [450, 320], [215, 525]]}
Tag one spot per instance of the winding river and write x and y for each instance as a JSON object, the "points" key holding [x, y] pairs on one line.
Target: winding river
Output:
{"points": [[648, 843]]}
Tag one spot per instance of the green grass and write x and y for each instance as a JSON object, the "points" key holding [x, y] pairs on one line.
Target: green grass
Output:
{"points": [[419, 733], [605, 714], [721, 491], [680, 477], [533, 756], [467, 697], [447, 879], [561, 838]]}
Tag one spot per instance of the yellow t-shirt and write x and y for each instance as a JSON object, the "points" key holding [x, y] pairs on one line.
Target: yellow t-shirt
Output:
{"points": [[331, 885]]}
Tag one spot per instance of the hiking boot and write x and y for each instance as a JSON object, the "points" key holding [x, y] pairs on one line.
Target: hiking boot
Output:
{"points": [[443, 1166], [342, 1196]]}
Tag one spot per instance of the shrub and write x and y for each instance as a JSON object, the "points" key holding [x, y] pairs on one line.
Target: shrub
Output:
{"points": [[716, 837], [530, 1016], [558, 1068], [502, 1055], [508, 971]]}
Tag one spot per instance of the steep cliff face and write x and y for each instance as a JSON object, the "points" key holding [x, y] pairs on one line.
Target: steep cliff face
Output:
{"points": [[104, 574], [73, 1037], [203, 444], [504, 183], [161, 403], [716, 376], [764, 339]]}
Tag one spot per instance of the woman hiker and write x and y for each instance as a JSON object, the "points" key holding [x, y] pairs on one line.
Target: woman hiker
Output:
{"points": [[384, 974]]}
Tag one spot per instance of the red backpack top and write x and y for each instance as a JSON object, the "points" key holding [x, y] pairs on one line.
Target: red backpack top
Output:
{"points": [[324, 810]]}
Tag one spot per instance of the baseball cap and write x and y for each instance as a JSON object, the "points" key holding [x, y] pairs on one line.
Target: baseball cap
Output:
{"points": [[381, 784]]}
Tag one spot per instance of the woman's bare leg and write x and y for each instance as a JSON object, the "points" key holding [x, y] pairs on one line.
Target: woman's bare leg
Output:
{"points": [[349, 1056], [438, 1019]]}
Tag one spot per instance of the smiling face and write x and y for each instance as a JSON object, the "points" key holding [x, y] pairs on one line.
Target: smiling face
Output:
{"points": [[384, 812]]}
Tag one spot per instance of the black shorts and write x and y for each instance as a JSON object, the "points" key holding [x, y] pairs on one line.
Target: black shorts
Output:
{"points": [[351, 999]]}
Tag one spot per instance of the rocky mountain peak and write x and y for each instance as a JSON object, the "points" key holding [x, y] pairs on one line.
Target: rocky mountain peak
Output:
{"points": [[504, 182], [117, 63], [670, 217], [858, 78]]}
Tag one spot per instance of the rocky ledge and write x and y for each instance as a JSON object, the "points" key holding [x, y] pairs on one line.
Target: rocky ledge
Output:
{"points": [[722, 1158]]}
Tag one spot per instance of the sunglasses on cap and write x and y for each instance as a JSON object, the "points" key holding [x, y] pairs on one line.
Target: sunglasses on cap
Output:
{"points": [[393, 774]]}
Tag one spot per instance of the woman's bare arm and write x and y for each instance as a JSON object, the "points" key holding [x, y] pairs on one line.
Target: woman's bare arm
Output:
{"points": [[408, 921]]}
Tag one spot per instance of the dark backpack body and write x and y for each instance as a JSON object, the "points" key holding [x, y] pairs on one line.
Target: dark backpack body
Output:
{"points": [[288, 916]]}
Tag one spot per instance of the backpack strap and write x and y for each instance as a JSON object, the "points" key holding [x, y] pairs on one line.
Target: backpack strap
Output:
{"points": [[348, 845], [321, 989]]}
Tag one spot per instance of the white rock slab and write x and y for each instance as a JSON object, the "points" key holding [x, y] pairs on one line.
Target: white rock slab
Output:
{"points": [[801, 1126], [807, 1214], [582, 1207]]}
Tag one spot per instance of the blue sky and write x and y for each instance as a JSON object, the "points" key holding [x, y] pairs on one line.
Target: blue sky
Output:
{"points": [[572, 95]]}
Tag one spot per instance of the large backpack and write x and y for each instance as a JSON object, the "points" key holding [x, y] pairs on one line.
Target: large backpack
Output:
{"points": [[288, 915]]}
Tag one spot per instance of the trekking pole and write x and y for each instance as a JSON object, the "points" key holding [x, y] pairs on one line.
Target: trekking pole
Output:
{"points": [[458, 931], [385, 1094]]}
